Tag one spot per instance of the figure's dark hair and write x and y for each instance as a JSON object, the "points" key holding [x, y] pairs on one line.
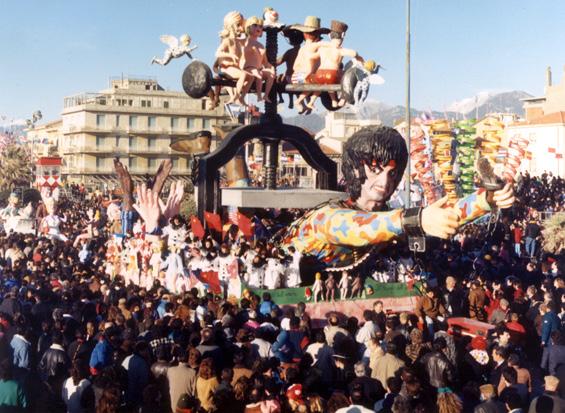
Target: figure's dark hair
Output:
{"points": [[379, 143]]}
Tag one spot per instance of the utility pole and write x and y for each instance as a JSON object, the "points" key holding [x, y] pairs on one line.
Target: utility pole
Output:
{"points": [[407, 172]]}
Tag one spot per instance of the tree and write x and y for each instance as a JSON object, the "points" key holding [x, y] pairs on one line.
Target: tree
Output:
{"points": [[15, 167]]}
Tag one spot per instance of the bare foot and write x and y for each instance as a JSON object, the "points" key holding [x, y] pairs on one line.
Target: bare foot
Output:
{"points": [[341, 103], [268, 100], [335, 104], [161, 176], [311, 105], [301, 107]]}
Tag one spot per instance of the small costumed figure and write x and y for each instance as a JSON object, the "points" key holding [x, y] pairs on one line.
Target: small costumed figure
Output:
{"points": [[273, 273], [330, 287], [344, 285], [154, 263], [173, 264], [254, 63], [318, 288], [51, 223], [357, 286], [177, 48], [224, 260], [132, 270], [256, 274], [293, 270]]}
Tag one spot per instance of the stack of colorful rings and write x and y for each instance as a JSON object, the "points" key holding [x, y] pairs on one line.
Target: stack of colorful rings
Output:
{"points": [[490, 141], [466, 156], [442, 141]]}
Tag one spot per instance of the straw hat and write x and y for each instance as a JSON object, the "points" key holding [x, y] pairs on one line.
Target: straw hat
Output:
{"points": [[311, 24]]}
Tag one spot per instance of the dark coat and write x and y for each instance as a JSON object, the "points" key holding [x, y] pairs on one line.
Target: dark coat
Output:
{"points": [[54, 362]]}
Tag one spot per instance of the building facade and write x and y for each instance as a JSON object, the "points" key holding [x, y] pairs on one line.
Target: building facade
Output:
{"points": [[134, 120]]}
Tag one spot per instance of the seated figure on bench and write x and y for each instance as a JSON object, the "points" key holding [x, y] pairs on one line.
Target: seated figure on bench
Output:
{"points": [[331, 56], [254, 62], [308, 58], [228, 55]]}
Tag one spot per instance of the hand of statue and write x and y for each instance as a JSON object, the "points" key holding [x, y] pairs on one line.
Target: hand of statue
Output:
{"points": [[172, 208], [504, 198], [440, 221], [147, 206], [161, 176]]}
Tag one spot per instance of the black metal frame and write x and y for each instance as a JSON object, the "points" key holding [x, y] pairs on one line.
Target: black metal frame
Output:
{"points": [[271, 130]]}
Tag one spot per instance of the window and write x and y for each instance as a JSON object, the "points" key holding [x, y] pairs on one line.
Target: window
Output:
{"points": [[133, 121], [100, 162], [131, 142], [203, 104], [166, 104], [151, 142], [175, 163], [99, 141], [152, 122], [152, 163], [145, 103], [100, 120], [190, 124], [174, 123], [206, 124], [117, 120], [132, 162]]}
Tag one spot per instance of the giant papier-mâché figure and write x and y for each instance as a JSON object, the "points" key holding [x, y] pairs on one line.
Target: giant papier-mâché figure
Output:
{"points": [[342, 234]]}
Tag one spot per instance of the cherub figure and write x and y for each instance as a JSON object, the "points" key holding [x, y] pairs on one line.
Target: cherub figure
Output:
{"points": [[330, 287], [357, 286], [254, 63], [344, 285], [177, 48], [228, 55], [271, 17], [318, 288], [367, 76]]}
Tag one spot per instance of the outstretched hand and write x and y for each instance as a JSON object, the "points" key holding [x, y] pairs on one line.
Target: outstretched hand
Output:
{"points": [[440, 221], [172, 208], [504, 198], [147, 206]]}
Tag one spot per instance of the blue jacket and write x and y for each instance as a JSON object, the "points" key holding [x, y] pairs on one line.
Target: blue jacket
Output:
{"points": [[20, 350], [550, 323], [289, 344], [266, 307], [101, 355]]}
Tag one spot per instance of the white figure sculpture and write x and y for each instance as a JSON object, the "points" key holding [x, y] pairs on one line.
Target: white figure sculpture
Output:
{"points": [[177, 48], [344, 285], [369, 70], [318, 288], [50, 224], [273, 273]]}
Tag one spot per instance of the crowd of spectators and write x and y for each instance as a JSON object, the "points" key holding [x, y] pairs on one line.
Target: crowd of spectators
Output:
{"points": [[80, 335]]}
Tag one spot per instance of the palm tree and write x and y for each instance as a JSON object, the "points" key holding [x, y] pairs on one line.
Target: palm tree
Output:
{"points": [[15, 167]]}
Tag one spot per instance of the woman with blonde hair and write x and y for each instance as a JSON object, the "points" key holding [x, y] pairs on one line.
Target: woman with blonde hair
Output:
{"points": [[206, 383]]}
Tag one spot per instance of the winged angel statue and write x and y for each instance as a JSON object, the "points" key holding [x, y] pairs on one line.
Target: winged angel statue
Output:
{"points": [[177, 48]]}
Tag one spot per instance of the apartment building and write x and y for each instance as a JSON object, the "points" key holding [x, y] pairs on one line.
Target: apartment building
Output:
{"points": [[134, 120]]}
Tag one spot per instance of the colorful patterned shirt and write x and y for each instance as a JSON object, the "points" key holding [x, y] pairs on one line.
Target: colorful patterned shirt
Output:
{"points": [[340, 236]]}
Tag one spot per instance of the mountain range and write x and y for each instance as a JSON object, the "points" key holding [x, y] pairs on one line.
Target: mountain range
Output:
{"points": [[389, 115]]}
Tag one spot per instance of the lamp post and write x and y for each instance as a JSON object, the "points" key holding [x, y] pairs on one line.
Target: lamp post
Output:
{"points": [[407, 134]]}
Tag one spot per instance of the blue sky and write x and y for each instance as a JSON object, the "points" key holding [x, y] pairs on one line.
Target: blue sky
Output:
{"points": [[51, 49]]}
